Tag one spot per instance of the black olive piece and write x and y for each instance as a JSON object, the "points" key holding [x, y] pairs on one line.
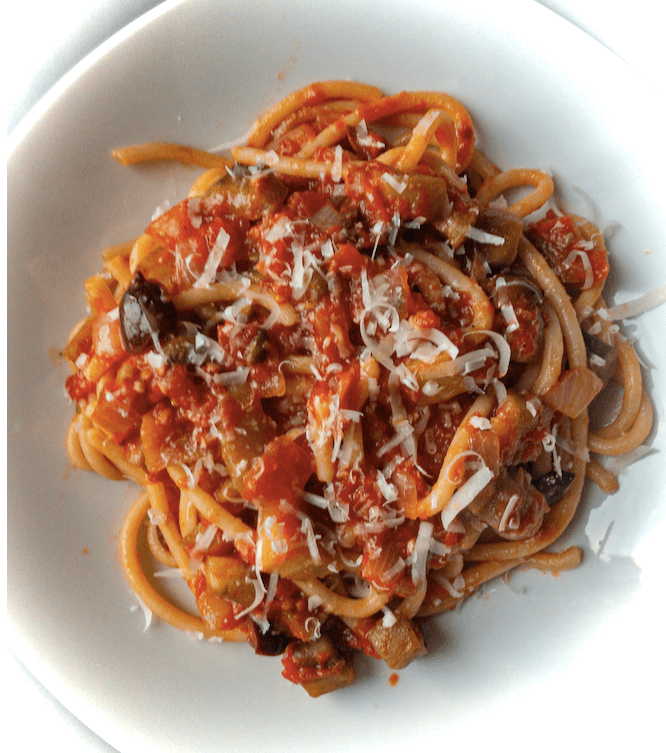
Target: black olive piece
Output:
{"points": [[608, 353], [144, 312], [271, 643], [553, 486]]}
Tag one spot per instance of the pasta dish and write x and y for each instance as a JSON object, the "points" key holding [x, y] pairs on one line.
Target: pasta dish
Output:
{"points": [[351, 372]]}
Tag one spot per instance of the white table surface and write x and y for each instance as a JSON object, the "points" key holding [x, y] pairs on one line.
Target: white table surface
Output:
{"points": [[40, 54]]}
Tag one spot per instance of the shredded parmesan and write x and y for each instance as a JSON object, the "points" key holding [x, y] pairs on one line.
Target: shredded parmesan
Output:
{"points": [[161, 209], [336, 170], [147, 613], [508, 510], [259, 593], [464, 495], [500, 391], [638, 306], [389, 619], [509, 314], [201, 545], [308, 529], [213, 261], [587, 266], [388, 490], [420, 553], [397, 567], [444, 581], [476, 234], [397, 185], [503, 348]]}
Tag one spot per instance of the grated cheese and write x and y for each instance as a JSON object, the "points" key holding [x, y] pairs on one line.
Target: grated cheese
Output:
{"points": [[587, 266], [147, 613], [157, 517], [508, 510], [476, 234], [259, 593], [509, 314], [503, 348], [444, 581], [213, 261], [636, 307], [239, 376], [308, 529], [156, 360], [194, 212], [422, 344], [161, 209], [397, 185], [466, 494], [500, 391], [473, 360], [336, 170], [388, 490], [314, 601], [397, 567], [420, 554], [389, 619], [439, 549], [201, 545], [478, 422]]}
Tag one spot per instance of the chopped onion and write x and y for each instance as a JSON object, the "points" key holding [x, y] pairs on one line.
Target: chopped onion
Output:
{"points": [[327, 216], [574, 391]]}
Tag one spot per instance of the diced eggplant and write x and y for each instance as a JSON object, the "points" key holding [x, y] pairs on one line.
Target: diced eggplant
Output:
{"points": [[575, 389], [230, 578], [511, 506], [318, 666], [504, 225], [244, 430], [249, 197], [399, 644], [327, 684], [601, 357], [271, 643], [145, 313], [553, 486]]}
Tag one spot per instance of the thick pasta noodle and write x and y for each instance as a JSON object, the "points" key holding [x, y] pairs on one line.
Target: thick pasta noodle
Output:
{"points": [[352, 379]]}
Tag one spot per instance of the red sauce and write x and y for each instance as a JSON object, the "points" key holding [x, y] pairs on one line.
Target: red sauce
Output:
{"points": [[556, 237]]}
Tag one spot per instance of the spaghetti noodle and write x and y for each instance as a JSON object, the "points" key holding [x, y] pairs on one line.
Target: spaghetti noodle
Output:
{"points": [[352, 380]]}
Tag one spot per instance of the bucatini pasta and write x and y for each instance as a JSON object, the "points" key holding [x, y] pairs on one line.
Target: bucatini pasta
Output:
{"points": [[352, 379]]}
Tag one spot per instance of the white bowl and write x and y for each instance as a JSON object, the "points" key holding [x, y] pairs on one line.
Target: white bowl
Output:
{"points": [[529, 664]]}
